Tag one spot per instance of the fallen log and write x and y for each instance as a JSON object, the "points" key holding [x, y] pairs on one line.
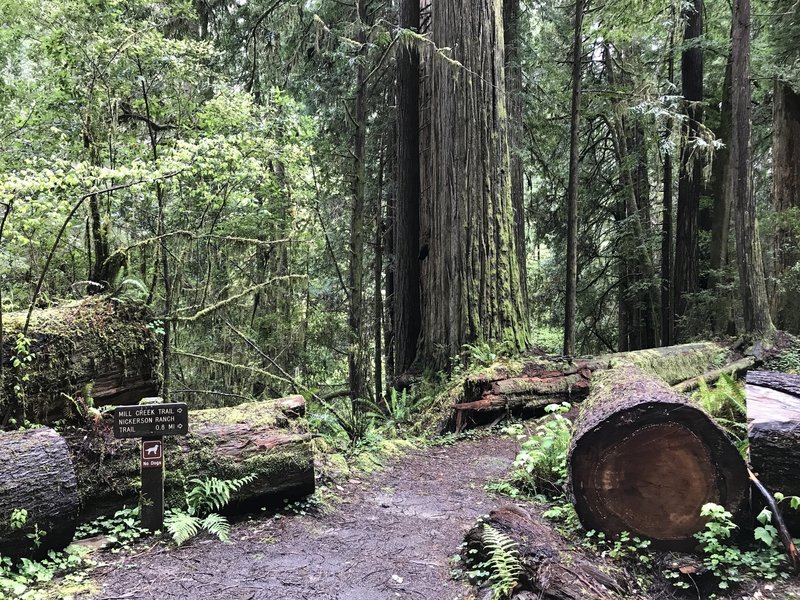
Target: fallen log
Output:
{"points": [[38, 493], [524, 387], [99, 348], [644, 459], [265, 439], [773, 423], [734, 369], [549, 566]]}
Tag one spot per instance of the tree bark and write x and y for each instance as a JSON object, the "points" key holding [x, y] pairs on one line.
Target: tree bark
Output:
{"points": [[691, 167], [723, 201], [471, 281], [355, 355], [36, 475], [259, 438], [571, 304], [752, 286], [643, 459], [786, 197], [407, 304], [95, 349], [773, 414], [514, 107], [550, 566]]}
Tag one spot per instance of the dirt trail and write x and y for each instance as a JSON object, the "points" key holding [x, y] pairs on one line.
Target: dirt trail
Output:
{"points": [[391, 539]]}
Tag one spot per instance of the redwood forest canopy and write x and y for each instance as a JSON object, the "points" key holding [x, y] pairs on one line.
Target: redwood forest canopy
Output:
{"points": [[322, 197]]}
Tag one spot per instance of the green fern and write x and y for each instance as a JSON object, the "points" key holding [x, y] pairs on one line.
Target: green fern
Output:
{"points": [[503, 562], [212, 494], [727, 403], [182, 526], [217, 525], [205, 498]]}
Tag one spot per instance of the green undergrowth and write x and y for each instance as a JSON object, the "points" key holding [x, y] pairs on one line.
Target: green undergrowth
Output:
{"points": [[729, 558]]}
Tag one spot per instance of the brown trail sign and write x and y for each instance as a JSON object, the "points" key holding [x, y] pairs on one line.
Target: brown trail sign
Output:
{"points": [[151, 420]]}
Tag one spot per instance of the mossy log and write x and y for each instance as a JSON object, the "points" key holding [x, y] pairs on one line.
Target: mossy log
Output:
{"points": [[266, 439], [100, 347], [550, 567], [773, 420], [524, 387], [644, 459], [36, 476]]}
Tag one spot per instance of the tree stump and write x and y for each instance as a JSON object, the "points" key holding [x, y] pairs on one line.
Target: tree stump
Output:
{"points": [[773, 417], [265, 439], [36, 476], [643, 459]]}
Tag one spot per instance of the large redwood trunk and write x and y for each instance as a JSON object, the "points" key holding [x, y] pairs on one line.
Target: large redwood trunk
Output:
{"points": [[786, 196], [643, 459], [259, 438], [36, 475], [471, 277]]}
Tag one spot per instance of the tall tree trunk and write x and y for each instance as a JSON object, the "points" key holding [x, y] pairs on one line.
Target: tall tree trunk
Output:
{"points": [[752, 286], [407, 304], [161, 229], [513, 42], [691, 168], [571, 307], [378, 272], [667, 230], [723, 200], [471, 282], [786, 196], [355, 355], [636, 208]]}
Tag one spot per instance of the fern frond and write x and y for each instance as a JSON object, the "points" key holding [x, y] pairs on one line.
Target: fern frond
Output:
{"points": [[217, 525], [503, 562], [182, 526]]}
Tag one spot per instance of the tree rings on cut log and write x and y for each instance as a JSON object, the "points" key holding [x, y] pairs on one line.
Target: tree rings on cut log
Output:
{"points": [[645, 460], [36, 476]]}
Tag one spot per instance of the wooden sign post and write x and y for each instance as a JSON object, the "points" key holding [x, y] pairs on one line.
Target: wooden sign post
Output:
{"points": [[151, 420]]}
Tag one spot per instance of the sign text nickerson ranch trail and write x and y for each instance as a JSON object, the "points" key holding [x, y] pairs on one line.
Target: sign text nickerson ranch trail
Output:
{"points": [[151, 420]]}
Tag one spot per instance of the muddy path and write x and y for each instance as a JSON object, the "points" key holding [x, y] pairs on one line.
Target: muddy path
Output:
{"points": [[391, 538]]}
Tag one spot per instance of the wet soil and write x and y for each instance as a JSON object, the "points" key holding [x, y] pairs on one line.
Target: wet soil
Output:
{"points": [[391, 537]]}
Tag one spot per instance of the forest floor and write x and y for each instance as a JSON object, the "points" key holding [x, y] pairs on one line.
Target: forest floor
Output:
{"points": [[391, 537]]}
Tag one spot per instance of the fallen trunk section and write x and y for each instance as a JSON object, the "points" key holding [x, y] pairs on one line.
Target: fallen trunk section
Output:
{"points": [[644, 459], [773, 417], [265, 439], [524, 388], [99, 348], [38, 493], [548, 566]]}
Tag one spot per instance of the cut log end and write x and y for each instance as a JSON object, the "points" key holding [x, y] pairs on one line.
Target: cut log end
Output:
{"points": [[648, 467]]}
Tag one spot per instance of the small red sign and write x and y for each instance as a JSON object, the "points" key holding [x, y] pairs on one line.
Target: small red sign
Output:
{"points": [[152, 457]]}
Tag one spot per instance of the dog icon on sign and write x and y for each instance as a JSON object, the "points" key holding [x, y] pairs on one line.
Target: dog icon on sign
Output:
{"points": [[151, 450]]}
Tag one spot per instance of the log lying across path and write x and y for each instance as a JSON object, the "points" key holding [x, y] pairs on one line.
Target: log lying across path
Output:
{"points": [[644, 459], [773, 416], [550, 567], [100, 346], [524, 388], [265, 439], [36, 476]]}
